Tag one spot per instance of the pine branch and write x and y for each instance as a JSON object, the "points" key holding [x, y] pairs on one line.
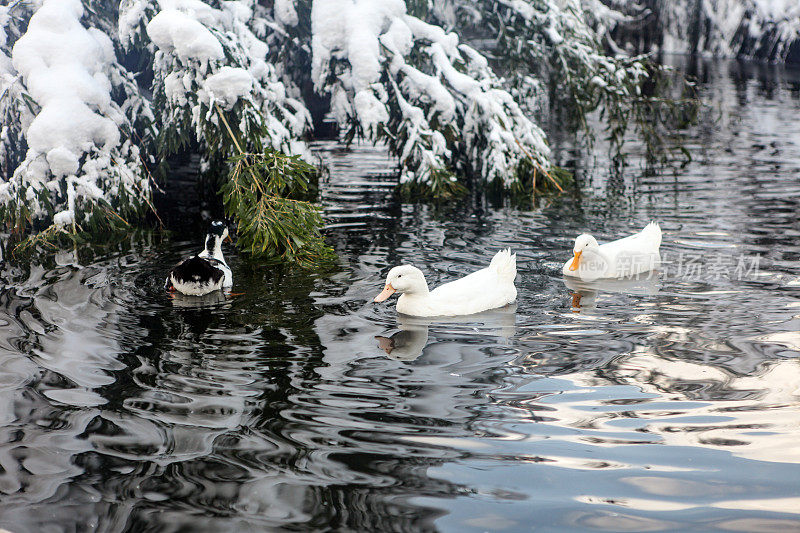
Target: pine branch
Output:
{"points": [[258, 196]]}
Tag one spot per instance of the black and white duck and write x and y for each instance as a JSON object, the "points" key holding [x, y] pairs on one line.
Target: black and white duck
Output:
{"points": [[205, 272]]}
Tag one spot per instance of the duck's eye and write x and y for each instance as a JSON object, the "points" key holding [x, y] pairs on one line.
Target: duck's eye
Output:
{"points": [[399, 275]]}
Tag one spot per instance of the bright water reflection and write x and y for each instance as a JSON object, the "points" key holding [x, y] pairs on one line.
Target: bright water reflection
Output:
{"points": [[412, 338], [662, 404]]}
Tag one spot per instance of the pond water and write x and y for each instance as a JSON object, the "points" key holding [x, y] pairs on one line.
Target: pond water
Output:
{"points": [[668, 403]]}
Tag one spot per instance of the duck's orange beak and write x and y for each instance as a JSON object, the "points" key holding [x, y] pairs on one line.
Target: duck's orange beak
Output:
{"points": [[387, 291], [576, 261], [227, 239]]}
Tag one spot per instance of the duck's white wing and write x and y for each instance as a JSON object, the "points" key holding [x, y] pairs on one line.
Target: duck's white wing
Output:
{"points": [[634, 254], [476, 292], [467, 288], [646, 241]]}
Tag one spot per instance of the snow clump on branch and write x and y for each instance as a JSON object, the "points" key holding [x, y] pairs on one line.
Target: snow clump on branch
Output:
{"points": [[207, 58], [76, 161], [393, 76]]}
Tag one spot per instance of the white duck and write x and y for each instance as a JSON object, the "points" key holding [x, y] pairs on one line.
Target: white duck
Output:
{"points": [[485, 289], [624, 257]]}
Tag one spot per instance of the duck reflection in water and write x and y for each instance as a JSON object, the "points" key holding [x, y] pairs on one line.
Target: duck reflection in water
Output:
{"points": [[213, 299], [585, 293], [410, 342]]}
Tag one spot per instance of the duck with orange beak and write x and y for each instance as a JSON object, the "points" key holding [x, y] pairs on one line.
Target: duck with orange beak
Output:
{"points": [[485, 289], [629, 256]]}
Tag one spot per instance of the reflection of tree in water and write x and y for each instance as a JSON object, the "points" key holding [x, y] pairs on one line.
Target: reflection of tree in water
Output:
{"points": [[274, 465], [219, 410], [58, 351]]}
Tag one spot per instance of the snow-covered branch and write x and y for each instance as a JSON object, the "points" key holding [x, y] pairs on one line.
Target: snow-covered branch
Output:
{"points": [[759, 29], [561, 44], [13, 113], [78, 164], [207, 59], [557, 53], [434, 99], [90, 97]]}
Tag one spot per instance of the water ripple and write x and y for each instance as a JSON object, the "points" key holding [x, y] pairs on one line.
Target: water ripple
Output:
{"points": [[660, 404]]}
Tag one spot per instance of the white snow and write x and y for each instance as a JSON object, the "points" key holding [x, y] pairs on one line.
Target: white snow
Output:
{"points": [[195, 9], [174, 31], [131, 13], [65, 68], [175, 89], [4, 16], [351, 29], [62, 161], [777, 9], [206, 55], [228, 85], [64, 218], [772, 24], [69, 123], [7, 73], [374, 39], [285, 13], [238, 10]]}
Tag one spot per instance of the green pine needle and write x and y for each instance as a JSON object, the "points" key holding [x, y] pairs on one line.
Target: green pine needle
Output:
{"points": [[264, 195]]}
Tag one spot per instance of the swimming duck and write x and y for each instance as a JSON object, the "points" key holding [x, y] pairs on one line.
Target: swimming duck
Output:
{"points": [[624, 257], [485, 289], [205, 272]]}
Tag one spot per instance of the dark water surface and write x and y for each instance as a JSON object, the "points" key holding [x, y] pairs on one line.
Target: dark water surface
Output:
{"points": [[664, 404]]}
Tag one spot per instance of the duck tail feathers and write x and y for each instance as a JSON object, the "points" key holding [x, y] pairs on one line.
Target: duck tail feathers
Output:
{"points": [[653, 230], [505, 264]]}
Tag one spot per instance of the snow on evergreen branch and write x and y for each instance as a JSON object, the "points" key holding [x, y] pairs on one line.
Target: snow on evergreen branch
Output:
{"points": [[565, 48], [393, 76], [759, 29], [206, 58], [77, 164], [81, 119]]}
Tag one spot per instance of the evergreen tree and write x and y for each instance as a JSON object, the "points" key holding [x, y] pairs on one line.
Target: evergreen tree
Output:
{"points": [[95, 95]]}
